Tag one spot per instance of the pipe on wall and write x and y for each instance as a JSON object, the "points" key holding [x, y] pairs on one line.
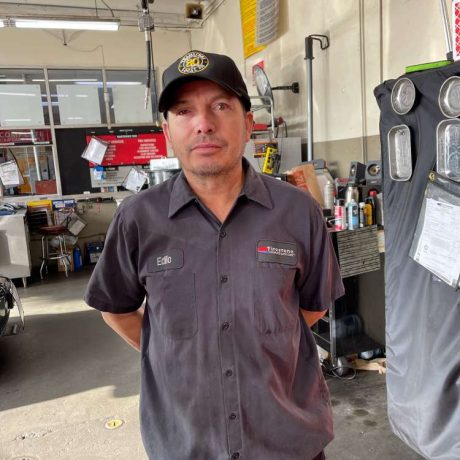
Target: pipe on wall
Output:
{"points": [[362, 60]]}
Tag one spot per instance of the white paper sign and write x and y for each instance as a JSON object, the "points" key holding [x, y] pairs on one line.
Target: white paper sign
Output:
{"points": [[135, 180], [95, 150], [438, 248], [10, 175], [266, 21]]}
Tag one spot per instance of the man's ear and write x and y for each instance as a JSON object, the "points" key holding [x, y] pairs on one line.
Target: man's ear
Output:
{"points": [[249, 119], [166, 131]]}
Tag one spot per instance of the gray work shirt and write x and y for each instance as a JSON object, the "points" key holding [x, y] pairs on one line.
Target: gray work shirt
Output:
{"points": [[229, 368]]}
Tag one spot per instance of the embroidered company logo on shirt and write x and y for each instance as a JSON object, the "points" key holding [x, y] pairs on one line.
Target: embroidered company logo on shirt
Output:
{"points": [[278, 252]]}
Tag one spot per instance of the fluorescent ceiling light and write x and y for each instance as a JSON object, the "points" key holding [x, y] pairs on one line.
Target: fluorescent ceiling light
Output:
{"points": [[12, 79], [62, 23]]}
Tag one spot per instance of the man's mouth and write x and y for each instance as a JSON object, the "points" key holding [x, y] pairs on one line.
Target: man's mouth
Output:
{"points": [[206, 146]]}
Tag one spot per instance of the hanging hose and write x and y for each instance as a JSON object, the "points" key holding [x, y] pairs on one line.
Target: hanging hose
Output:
{"points": [[146, 25]]}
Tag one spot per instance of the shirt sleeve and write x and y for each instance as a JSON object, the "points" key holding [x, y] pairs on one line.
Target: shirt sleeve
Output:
{"points": [[321, 282], [114, 285]]}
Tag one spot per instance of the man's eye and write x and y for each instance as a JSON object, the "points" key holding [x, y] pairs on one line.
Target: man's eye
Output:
{"points": [[182, 112], [221, 106]]}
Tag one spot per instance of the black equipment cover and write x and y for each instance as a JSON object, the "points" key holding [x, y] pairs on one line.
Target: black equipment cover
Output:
{"points": [[422, 312]]}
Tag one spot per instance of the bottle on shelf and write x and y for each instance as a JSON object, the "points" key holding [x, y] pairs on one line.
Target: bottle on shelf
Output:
{"points": [[372, 199], [352, 215], [368, 212], [362, 215], [340, 215], [351, 192]]}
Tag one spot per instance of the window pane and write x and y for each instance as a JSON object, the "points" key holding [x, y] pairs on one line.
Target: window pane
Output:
{"points": [[77, 97], [36, 166], [23, 98], [126, 90]]}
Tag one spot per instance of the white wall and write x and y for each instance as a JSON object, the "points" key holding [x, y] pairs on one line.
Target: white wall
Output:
{"points": [[122, 49], [412, 33]]}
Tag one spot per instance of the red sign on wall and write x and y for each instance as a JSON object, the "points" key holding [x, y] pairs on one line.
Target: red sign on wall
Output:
{"points": [[25, 137], [132, 149]]}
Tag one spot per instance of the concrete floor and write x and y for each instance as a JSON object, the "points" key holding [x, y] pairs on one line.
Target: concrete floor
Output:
{"points": [[67, 375]]}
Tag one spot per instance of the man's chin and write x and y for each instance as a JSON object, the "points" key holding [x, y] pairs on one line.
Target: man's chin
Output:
{"points": [[208, 171], [212, 169]]}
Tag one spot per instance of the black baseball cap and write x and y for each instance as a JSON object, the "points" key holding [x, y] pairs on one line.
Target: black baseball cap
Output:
{"points": [[194, 65]]}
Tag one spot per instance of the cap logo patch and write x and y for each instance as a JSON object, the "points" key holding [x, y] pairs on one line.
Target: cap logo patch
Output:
{"points": [[193, 62]]}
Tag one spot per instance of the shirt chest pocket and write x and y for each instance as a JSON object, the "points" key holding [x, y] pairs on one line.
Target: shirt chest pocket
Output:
{"points": [[172, 300], [275, 298]]}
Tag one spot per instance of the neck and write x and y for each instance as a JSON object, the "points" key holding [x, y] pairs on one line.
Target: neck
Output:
{"points": [[218, 193]]}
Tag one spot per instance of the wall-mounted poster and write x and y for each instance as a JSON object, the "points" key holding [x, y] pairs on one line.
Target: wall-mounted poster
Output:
{"points": [[21, 105], [78, 105], [248, 10], [132, 148]]}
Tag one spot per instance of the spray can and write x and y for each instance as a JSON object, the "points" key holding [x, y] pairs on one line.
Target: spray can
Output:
{"points": [[368, 212], [371, 202], [353, 215], [375, 203], [340, 215], [329, 194], [351, 193], [362, 215]]}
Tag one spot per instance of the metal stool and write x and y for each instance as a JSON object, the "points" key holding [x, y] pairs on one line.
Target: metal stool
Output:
{"points": [[54, 231]]}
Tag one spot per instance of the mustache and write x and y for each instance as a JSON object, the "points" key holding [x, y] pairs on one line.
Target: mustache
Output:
{"points": [[206, 140]]}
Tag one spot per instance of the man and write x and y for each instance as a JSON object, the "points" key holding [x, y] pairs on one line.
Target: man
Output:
{"points": [[225, 258]]}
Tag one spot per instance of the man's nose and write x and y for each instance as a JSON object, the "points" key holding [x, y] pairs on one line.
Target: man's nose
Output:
{"points": [[205, 122]]}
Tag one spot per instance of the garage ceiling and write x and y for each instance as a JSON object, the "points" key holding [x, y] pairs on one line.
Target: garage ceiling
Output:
{"points": [[166, 13]]}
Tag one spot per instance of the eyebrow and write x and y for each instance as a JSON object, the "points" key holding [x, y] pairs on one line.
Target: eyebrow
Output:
{"points": [[220, 95]]}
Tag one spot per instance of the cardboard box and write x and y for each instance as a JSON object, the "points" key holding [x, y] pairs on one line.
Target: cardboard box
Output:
{"points": [[304, 177]]}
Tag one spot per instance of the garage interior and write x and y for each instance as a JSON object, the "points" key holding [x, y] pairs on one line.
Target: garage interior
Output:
{"points": [[69, 385]]}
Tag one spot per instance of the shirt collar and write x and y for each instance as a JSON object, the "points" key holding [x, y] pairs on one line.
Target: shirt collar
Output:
{"points": [[254, 189]]}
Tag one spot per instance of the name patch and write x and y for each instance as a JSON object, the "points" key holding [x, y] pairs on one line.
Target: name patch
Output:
{"points": [[168, 260], [277, 252]]}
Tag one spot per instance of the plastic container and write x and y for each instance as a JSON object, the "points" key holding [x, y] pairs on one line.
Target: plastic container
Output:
{"points": [[340, 215], [77, 259]]}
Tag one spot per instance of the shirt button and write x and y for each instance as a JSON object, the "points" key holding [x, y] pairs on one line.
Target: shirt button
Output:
{"points": [[222, 233], [235, 455], [228, 373], [225, 326], [232, 416], [223, 278]]}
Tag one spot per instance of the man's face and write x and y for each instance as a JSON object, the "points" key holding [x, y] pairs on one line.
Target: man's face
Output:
{"points": [[207, 128]]}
